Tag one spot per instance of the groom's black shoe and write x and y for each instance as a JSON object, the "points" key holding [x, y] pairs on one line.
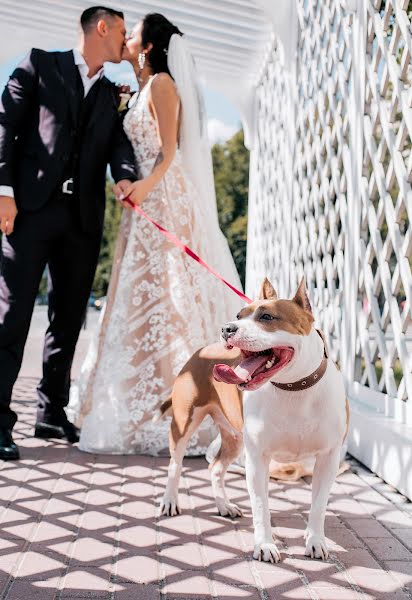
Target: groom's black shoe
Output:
{"points": [[64, 431], [8, 449]]}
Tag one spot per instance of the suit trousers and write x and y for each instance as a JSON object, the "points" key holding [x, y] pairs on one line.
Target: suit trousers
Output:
{"points": [[50, 236]]}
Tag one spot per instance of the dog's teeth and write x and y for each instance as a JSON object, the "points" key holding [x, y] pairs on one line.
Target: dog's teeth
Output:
{"points": [[269, 364]]}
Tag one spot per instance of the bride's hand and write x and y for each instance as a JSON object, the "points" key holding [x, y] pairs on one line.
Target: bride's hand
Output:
{"points": [[137, 192]]}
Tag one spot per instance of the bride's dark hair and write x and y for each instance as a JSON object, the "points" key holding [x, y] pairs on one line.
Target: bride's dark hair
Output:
{"points": [[158, 30]]}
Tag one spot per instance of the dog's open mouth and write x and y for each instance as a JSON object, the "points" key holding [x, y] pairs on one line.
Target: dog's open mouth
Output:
{"points": [[255, 367]]}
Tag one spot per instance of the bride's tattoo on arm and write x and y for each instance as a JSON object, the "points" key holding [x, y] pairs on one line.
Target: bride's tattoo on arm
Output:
{"points": [[159, 159]]}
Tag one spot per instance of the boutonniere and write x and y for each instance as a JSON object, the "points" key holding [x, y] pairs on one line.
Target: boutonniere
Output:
{"points": [[124, 94]]}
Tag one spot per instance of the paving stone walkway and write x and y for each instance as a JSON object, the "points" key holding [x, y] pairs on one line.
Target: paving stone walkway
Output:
{"points": [[75, 525]]}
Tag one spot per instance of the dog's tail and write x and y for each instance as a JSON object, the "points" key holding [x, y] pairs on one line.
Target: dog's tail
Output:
{"points": [[164, 411], [294, 471], [291, 471]]}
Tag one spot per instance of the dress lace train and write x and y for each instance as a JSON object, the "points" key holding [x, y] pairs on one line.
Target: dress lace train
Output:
{"points": [[161, 307]]}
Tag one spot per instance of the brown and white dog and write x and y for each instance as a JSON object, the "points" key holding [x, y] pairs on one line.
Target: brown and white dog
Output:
{"points": [[294, 408]]}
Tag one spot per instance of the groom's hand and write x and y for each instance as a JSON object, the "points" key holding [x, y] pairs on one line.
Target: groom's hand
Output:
{"points": [[8, 212], [120, 188]]}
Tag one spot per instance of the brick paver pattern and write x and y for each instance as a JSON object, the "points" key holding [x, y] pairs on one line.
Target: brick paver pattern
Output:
{"points": [[76, 525]]}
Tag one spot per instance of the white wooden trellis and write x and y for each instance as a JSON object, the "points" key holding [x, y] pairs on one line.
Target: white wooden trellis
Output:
{"points": [[331, 198]]}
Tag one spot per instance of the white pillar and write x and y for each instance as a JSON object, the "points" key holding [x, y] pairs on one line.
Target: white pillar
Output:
{"points": [[355, 160]]}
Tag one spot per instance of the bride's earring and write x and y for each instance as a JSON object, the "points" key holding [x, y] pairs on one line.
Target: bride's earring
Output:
{"points": [[141, 59]]}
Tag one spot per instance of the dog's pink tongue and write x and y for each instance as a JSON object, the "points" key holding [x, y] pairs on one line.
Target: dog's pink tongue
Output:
{"points": [[244, 370]]}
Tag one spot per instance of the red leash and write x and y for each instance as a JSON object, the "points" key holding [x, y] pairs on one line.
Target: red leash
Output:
{"points": [[186, 249]]}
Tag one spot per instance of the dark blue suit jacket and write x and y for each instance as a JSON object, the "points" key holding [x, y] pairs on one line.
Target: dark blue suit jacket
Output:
{"points": [[37, 112]]}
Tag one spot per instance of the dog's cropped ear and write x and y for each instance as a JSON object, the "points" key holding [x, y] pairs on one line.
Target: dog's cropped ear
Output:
{"points": [[302, 298], [267, 291]]}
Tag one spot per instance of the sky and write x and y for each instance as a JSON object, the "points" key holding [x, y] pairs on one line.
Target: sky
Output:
{"points": [[223, 117]]}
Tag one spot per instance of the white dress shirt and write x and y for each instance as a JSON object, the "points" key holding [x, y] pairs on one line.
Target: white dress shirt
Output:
{"points": [[84, 69], [6, 190]]}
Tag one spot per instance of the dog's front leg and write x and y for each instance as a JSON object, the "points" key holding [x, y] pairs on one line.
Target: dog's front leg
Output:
{"points": [[257, 477], [324, 474]]}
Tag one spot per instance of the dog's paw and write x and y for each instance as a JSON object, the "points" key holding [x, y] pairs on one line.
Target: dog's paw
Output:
{"points": [[169, 507], [266, 552], [228, 509], [316, 547]]}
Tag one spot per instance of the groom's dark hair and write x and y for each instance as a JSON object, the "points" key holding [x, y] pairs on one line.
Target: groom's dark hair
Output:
{"points": [[92, 15]]}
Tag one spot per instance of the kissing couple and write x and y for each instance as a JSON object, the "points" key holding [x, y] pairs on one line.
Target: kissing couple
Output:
{"points": [[60, 127]]}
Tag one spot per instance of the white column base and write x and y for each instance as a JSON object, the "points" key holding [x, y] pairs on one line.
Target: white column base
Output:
{"points": [[382, 444]]}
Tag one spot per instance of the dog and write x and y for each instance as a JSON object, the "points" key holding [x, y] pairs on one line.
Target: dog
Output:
{"points": [[294, 409]]}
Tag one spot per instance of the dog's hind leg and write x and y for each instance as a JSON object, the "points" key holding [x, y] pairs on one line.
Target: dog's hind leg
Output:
{"points": [[229, 450], [178, 440]]}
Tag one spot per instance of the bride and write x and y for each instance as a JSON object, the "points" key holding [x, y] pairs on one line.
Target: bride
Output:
{"points": [[161, 305]]}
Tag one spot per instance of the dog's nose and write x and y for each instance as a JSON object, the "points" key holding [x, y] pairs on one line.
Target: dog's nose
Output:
{"points": [[229, 329]]}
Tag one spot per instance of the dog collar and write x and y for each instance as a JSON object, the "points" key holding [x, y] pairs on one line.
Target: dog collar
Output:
{"points": [[310, 380]]}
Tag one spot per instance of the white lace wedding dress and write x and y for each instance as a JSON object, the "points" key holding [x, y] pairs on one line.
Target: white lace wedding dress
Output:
{"points": [[161, 307]]}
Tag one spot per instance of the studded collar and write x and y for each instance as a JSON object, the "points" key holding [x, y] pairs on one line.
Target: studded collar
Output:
{"points": [[310, 380]]}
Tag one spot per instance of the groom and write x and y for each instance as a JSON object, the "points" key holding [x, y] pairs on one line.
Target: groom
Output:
{"points": [[59, 128]]}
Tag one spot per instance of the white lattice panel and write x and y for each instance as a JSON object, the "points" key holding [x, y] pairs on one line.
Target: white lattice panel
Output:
{"points": [[331, 193], [385, 283], [271, 176], [299, 180], [319, 206]]}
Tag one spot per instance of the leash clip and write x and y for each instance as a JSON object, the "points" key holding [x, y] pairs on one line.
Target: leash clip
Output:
{"points": [[67, 187]]}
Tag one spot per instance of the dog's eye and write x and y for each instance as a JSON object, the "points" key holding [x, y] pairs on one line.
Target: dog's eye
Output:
{"points": [[267, 317]]}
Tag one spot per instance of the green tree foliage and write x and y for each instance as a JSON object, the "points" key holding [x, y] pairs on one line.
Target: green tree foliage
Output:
{"points": [[111, 226], [231, 167]]}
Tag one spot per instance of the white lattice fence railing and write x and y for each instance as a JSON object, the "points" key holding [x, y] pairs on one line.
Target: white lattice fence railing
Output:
{"points": [[319, 205], [331, 198], [298, 202], [271, 169], [386, 209]]}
